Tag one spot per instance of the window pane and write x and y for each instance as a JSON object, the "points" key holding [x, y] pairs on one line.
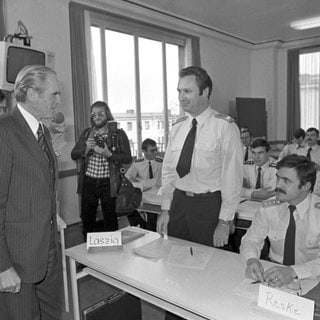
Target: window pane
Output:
{"points": [[96, 89], [151, 87], [121, 79], [309, 89]]}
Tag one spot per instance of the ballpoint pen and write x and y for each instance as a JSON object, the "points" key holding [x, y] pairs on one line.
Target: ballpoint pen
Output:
{"points": [[191, 251]]}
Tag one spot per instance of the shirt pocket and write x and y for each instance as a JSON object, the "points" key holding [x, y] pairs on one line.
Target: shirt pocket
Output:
{"points": [[276, 236]]}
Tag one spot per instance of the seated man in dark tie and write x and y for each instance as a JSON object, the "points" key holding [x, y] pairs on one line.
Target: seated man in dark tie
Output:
{"points": [[146, 172], [259, 174], [291, 221], [313, 149], [246, 139]]}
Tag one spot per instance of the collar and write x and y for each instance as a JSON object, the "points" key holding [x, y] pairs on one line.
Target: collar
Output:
{"points": [[201, 118], [30, 119], [303, 206], [265, 166]]}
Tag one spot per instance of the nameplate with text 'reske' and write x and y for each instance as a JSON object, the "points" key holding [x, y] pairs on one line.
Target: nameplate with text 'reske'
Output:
{"points": [[104, 239], [285, 303]]}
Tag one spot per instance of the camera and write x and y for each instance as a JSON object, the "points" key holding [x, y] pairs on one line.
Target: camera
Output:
{"points": [[99, 140]]}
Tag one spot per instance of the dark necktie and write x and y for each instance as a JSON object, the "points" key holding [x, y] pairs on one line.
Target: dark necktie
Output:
{"points": [[184, 163], [258, 183], [44, 147], [246, 154], [289, 242], [150, 170], [308, 154]]}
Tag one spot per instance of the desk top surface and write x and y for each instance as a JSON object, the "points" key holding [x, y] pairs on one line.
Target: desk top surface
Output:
{"points": [[207, 292]]}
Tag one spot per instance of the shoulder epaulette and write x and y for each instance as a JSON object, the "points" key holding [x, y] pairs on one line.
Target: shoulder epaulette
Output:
{"points": [[273, 165], [159, 159], [248, 162], [180, 120], [270, 203], [139, 160], [224, 117]]}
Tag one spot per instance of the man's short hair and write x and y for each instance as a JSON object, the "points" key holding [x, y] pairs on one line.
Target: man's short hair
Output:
{"points": [[102, 104], [148, 142], [202, 78], [32, 76], [260, 143], [306, 169], [313, 129], [298, 133]]}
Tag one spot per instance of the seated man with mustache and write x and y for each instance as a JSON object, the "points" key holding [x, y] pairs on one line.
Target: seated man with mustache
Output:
{"points": [[291, 221]]}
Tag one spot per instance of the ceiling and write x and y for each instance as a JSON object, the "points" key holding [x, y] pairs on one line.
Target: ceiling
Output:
{"points": [[254, 21]]}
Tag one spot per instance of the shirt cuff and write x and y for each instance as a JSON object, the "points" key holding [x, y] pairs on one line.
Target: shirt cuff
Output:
{"points": [[301, 271]]}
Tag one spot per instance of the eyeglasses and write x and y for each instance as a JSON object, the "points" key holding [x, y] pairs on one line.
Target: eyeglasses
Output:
{"points": [[98, 114]]}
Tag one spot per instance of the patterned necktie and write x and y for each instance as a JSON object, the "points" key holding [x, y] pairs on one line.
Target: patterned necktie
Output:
{"points": [[184, 163], [246, 154], [258, 183], [290, 239], [308, 154], [44, 147], [150, 170]]}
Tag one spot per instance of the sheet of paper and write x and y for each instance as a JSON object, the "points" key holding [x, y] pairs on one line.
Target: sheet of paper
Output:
{"points": [[155, 250], [194, 257]]}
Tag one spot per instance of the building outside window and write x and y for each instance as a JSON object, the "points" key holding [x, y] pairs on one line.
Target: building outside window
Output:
{"points": [[135, 67]]}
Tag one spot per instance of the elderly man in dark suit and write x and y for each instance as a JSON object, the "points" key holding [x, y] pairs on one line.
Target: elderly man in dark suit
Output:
{"points": [[30, 269]]}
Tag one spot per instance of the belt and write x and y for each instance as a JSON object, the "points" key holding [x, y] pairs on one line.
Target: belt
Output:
{"points": [[200, 195], [96, 179]]}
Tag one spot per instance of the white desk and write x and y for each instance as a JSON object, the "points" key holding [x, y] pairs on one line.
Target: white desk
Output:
{"points": [[191, 293]]}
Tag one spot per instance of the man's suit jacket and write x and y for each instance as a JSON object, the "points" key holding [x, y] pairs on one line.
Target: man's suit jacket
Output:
{"points": [[27, 199]]}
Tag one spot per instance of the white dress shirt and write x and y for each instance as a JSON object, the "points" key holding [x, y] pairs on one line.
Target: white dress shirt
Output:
{"points": [[250, 174], [30, 119], [139, 170], [272, 220], [216, 162], [293, 148]]}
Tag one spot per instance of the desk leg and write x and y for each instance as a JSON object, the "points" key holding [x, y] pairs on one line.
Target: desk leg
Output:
{"points": [[74, 288]]}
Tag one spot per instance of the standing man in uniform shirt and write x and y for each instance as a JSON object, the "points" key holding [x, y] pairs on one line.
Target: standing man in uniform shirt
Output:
{"points": [[101, 151], [313, 149], [200, 193], [259, 174], [30, 264], [246, 139], [147, 172], [291, 221], [298, 145]]}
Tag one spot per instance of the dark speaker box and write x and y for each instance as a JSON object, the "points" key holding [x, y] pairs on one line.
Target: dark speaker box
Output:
{"points": [[118, 306]]}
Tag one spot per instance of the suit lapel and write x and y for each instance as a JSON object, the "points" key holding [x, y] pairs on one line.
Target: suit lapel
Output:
{"points": [[28, 140]]}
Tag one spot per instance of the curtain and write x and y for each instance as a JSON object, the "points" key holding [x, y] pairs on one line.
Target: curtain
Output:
{"points": [[293, 94], [79, 65], [309, 89], [2, 21]]}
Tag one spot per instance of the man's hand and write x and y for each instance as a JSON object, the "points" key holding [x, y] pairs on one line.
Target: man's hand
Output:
{"points": [[90, 144], [162, 222], [10, 281], [255, 270], [221, 234], [279, 276], [104, 151]]}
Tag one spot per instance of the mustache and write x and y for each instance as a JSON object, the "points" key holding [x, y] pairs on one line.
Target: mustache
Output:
{"points": [[280, 190]]}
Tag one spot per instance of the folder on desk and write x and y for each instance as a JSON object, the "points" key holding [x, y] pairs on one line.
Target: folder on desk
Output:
{"points": [[130, 235]]}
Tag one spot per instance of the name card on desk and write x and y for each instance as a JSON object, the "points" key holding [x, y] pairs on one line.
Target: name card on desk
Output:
{"points": [[284, 303], [103, 239]]}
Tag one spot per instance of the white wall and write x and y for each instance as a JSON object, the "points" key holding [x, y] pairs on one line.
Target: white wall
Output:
{"points": [[228, 61]]}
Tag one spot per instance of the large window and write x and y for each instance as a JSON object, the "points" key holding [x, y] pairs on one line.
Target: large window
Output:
{"points": [[309, 70], [134, 68]]}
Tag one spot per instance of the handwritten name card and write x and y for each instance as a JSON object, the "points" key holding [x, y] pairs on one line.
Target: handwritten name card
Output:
{"points": [[284, 303], [104, 239]]}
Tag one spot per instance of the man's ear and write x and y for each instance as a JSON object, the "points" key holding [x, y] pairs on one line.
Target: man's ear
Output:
{"points": [[306, 186], [32, 94], [205, 92]]}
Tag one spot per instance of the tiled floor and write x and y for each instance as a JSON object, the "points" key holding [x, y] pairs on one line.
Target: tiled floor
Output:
{"points": [[92, 290]]}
